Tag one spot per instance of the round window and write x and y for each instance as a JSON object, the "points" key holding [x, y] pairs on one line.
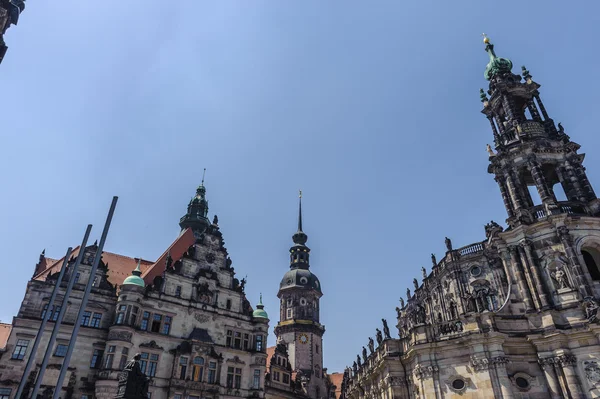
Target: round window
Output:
{"points": [[458, 384], [475, 271], [303, 280], [522, 382], [289, 281], [302, 301]]}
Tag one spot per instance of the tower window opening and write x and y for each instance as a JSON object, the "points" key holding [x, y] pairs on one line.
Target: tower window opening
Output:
{"points": [[559, 192], [534, 195], [591, 257]]}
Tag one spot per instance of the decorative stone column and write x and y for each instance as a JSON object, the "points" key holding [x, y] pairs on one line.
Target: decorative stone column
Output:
{"points": [[545, 192], [578, 276], [568, 362], [513, 192], [585, 183], [535, 114], [547, 365], [499, 366], [535, 272], [574, 182], [505, 196], [541, 105], [529, 278], [520, 278]]}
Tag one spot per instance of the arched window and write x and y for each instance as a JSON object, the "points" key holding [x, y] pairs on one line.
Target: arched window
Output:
{"points": [[591, 257], [198, 369]]}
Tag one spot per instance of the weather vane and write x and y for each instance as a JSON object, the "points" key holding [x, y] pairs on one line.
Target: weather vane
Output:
{"points": [[203, 174], [300, 193]]}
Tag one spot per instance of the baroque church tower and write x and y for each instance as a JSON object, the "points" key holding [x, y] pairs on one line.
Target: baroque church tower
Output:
{"points": [[299, 327], [514, 315]]}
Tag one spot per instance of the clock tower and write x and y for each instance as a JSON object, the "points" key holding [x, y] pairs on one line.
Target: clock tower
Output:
{"points": [[299, 326]]}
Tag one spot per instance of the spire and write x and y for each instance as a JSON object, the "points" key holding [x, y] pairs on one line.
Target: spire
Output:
{"points": [[300, 212], [299, 252]]}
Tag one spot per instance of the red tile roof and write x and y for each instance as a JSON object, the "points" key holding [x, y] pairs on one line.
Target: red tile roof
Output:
{"points": [[4, 334], [119, 266], [336, 379], [177, 249]]}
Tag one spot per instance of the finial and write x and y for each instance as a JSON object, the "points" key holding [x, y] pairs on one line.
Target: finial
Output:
{"points": [[44, 251], [526, 74], [96, 243], [486, 39], [203, 175], [138, 270], [260, 300], [300, 193]]}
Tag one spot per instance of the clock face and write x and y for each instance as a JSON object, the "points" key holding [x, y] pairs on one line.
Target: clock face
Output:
{"points": [[303, 338]]}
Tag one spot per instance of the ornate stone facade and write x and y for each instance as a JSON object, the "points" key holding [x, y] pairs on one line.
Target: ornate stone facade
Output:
{"points": [[514, 315], [188, 318]]}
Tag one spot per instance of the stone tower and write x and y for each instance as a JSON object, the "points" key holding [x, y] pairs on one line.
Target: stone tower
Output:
{"points": [[534, 153], [299, 327]]}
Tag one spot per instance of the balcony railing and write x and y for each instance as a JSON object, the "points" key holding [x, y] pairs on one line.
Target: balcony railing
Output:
{"points": [[471, 249], [569, 208]]}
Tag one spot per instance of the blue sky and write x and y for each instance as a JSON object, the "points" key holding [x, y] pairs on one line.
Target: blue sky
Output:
{"points": [[371, 108]]}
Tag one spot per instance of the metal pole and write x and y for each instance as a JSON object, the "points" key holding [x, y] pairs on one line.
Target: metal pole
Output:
{"points": [[84, 301], [42, 328], [63, 308]]}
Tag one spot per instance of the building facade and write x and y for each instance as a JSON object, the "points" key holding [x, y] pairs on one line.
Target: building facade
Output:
{"points": [[186, 314], [513, 316]]}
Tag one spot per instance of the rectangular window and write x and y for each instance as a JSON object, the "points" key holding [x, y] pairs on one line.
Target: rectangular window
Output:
{"points": [[289, 313], [134, 314], [286, 378], [85, 320], [317, 348], [144, 362], [212, 372], [55, 313], [85, 397], [108, 361], [77, 277], [121, 314], [183, 361], [229, 337], [166, 328], [276, 376], [229, 377], [152, 366], [5, 393], [228, 304], [256, 379], [178, 291], [237, 341], [96, 320], [123, 362], [111, 349], [96, 358], [145, 321], [259, 343], [156, 323], [177, 396], [61, 350], [20, 349], [238, 378], [246, 342]]}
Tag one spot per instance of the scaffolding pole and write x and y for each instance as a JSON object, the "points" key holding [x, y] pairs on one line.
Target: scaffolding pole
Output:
{"points": [[84, 301]]}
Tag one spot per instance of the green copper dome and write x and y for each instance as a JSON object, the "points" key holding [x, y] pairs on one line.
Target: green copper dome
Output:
{"points": [[260, 313], [497, 65], [135, 279]]}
